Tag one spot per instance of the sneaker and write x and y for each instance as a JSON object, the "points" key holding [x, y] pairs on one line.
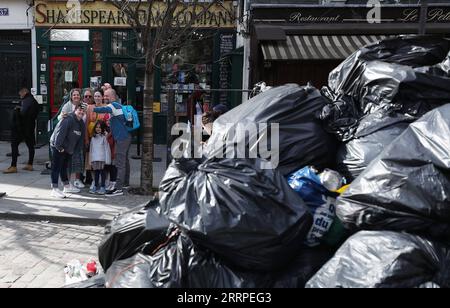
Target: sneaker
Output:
{"points": [[28, 168], [115, 192], [71, 190], [93, 190], [78, 184], [56, 193], [111, 186], [101, 191], [10, 170]]}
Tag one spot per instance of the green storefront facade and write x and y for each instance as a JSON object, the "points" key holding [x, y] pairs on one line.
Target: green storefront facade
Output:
{"points": [[83, 56]]}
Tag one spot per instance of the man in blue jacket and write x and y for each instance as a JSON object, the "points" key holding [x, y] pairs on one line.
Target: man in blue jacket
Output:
{"points": [[68, 135], [121, 136]]}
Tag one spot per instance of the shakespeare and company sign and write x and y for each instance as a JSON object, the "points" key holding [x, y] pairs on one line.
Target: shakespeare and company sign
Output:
{"points": [[73, 14]]}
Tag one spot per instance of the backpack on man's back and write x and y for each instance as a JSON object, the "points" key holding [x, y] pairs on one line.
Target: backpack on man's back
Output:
{"points": [[131, 118]]}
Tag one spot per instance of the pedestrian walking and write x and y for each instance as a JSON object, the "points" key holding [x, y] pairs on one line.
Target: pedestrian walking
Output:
{"points": [[23, 129]]}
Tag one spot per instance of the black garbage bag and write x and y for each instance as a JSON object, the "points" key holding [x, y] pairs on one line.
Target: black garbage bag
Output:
{"points": [[302, 139], [409, 50], [179, 264], [374, 134], [442, 69], [407, 187], [243, 213], [182, 264], [303, 268], [400, 75], [387, 87], [383, 259], [132, 231]]}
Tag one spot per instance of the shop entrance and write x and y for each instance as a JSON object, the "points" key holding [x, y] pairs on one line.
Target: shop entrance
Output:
{"points": [[65, 74]]}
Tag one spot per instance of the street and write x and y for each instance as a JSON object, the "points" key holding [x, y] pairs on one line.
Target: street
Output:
{"points": [[46, 234], [33, 254]]}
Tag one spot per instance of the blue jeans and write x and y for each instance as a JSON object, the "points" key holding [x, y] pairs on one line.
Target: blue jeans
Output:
{"points": [[60, 162]]}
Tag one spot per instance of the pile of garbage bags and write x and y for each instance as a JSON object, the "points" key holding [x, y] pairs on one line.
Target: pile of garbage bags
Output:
{"points": [[382, 259], [400, 167], [222, 223], [378, 90], [259, 211]]}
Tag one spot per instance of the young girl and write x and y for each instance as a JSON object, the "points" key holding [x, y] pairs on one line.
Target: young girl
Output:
{"points": [[100, 154]]}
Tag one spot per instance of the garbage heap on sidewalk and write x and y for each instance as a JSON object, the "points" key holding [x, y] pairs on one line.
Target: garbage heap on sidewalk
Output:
{"points": [[383, 122]]}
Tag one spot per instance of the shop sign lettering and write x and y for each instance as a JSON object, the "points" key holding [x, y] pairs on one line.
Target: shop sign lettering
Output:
{"points": [[96, 14]]}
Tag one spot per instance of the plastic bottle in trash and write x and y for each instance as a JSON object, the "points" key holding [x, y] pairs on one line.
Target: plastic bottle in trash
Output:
{"points": [[331, 179]]}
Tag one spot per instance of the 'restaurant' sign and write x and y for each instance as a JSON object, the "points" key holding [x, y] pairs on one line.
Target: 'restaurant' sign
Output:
{"points": [[337, 15], [78, 14]]}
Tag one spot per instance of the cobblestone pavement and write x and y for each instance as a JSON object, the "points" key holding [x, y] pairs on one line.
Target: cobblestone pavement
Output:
{"points": [[33, 254]]}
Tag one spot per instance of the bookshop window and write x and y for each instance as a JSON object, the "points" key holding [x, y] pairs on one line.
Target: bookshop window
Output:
{"points": [[119, 43], [187, 69], [120, 74], [97, 54]]}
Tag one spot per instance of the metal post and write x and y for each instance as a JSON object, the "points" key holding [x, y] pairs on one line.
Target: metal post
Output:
{"points": [[423, 17], [170, 122]]}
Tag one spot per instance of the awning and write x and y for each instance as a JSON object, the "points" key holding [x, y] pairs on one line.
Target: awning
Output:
{"points": [[317, 47]]}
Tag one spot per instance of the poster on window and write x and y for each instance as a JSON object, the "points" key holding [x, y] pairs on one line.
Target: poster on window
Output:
{"points": [[120, 81], [68, 76]]}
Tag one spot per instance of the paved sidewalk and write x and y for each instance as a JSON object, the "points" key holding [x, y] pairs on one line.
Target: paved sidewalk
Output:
{"points": [[28, 193], [34, 254]]}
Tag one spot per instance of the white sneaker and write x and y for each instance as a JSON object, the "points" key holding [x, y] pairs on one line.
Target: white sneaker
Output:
{"points": [[56, 193], [71, 190], [78, 184], [111, 186]]}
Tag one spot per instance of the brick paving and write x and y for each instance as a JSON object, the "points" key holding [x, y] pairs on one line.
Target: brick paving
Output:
{"points": [[34, 254]]}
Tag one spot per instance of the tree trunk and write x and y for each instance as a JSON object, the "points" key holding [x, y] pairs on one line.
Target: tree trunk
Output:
{"points": [[170, 123], [147, 138]]}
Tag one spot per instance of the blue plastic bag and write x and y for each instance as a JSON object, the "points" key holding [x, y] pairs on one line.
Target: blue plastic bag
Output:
{"points": [[320, 201]]}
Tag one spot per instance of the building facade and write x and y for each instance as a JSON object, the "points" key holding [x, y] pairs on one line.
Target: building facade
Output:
{"points": [[17, 56], [99, 46]]}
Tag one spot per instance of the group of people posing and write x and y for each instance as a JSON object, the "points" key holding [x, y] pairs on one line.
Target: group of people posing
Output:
{"points": [[90, 138]]}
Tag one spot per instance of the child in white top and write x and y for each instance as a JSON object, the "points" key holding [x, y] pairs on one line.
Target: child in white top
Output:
{"points": [[100, 154]]}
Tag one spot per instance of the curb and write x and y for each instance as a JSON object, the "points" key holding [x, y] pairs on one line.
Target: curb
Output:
{"points": [[55, 219]]}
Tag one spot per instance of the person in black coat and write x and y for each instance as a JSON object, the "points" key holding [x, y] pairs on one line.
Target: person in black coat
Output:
{"points": [[23, 129]]}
